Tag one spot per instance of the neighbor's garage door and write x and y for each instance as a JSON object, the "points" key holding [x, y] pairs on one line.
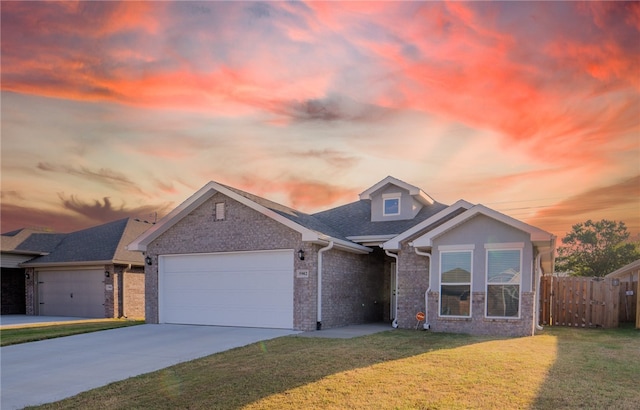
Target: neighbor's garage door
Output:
{"points": [[71, 293], [252, 289]]}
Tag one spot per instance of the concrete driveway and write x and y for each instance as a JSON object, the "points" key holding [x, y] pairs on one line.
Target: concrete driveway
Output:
{"points": [[51, 370]]}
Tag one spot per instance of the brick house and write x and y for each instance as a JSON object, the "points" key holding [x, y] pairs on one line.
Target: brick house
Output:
{"points": [[87, 273], [227, 257]]}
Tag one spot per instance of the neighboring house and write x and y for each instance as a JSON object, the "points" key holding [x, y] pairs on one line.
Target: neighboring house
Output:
{"points": [[627, 273], [88, 273], [630, 301], [227, 257], [18, 247]]}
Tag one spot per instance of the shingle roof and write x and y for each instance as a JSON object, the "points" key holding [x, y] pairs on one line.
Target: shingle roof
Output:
{"points": [[301, 218], [348, 220], [99, 243], [354, 219], [41, 242]]}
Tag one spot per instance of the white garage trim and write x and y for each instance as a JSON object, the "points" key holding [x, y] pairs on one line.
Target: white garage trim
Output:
{"points": [[250, 289]]}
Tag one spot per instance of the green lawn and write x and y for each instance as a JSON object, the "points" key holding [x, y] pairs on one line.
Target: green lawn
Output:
{"points": [[562, 368], [30, 333]]}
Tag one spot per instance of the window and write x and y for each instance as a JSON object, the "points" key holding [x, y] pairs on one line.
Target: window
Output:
{"points": [[455, 283], [391, 206], [219, 211], [503, 282]]}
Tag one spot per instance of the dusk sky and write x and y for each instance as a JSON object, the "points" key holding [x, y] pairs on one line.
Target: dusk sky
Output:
{"points": [[125, 109]]}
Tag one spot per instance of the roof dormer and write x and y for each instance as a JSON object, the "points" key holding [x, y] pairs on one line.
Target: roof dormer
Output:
{"points": [[394, 200]]}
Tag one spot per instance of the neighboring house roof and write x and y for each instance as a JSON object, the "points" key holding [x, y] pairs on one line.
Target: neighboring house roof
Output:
{"points": [[630, 270], [99, 244], [41, 242], [311, 229], [29, 241]]}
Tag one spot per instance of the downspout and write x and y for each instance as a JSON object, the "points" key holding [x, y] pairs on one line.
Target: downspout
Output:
{"points": [[426, 325], [319, 314], [537, 276], [394, 324]]}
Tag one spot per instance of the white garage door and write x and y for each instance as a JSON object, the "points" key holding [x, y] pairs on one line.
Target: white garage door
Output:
{"points": [[78, 293], [252, 289]]}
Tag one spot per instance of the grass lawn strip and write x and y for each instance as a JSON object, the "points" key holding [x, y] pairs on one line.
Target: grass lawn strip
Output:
{"points": [[31, 333], [400, 369]]}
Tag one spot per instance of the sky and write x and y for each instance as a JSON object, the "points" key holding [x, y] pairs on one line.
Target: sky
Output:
{"points": [[118, 109]]}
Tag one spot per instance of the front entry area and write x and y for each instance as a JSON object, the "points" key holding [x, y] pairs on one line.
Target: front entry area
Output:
{"points": [[248, 289]]}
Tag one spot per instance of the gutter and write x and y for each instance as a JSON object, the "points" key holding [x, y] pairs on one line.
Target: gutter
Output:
{"points": [[394, 324], [319, 292], [426, 325], [77, 263]]}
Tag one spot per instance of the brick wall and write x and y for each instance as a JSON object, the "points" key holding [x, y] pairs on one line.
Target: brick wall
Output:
{"points": [[413, 281], [111, 302], [353, 290], [133, 293], [30, 297], [478, 324]]}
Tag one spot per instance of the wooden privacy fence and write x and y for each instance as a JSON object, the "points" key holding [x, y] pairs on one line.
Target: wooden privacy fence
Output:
{"points": [[586, 302]]}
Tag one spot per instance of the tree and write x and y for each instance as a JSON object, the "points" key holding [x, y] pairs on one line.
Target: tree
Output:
{"points": [[596, 249]]}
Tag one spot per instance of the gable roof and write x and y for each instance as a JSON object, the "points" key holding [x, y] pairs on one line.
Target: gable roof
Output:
{"points": [[537, 235], [99, 244], [311, 228], [544, 241], [414, 191], [430, 223]]}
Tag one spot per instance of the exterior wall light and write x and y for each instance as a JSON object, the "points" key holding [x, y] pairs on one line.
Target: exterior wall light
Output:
{"points": [[301, 254], [148, 260], [27, 276], [107, 274]]}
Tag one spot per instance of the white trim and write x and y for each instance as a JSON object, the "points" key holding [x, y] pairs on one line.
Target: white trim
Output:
{"points": [[504, 246], [370, 238], [394, 243], [414, 191], [384, 205], [453, 248], [486, 282], [470, 283], [392, 195]]}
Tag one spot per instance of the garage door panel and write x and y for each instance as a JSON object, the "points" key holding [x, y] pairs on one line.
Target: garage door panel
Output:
{"points": [[253, 289], [71, 293]]}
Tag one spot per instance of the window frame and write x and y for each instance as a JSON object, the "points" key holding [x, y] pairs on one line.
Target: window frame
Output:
{"points": [[519, 247], [391, 197], [456, 249]]}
